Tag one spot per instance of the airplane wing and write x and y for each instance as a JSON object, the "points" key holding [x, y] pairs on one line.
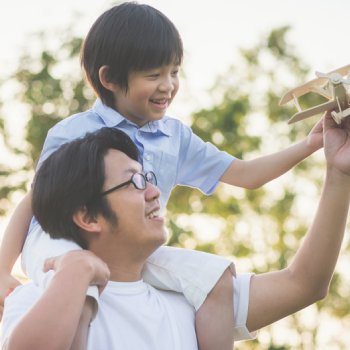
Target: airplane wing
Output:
{"points": [[312, 111], [314, 85]]}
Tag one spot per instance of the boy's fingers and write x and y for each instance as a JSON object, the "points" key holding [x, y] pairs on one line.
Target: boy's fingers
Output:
{"points": [[49, 264]]}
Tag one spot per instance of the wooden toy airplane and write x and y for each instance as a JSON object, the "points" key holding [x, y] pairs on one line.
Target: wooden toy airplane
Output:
{"points": [[332, 86]]}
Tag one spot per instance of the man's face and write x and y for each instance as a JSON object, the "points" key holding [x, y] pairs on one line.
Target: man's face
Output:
{"points": [[140, 228]]}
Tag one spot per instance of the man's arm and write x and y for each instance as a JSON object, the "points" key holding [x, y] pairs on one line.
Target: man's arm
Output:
{"points": [[46, 323], [278, 294], [256, 172]]}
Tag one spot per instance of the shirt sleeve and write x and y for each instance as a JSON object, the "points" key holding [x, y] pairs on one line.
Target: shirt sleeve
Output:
{"points": [[201, 164], [17, 304], [56, 137], [241, 287]]}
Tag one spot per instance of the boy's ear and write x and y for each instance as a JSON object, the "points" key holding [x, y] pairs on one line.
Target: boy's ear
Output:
{"points": [[83, 220], [104, 79]]}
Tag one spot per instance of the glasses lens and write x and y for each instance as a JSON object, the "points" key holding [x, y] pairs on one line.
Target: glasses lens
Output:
{"points": [[151, 178], [139, 181]]}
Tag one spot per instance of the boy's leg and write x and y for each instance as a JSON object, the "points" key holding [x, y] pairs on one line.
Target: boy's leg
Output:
{"points": [[207, 283], [186, 271], [214, 319]]}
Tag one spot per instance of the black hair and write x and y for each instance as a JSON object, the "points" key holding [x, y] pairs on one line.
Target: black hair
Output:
{"points": [[128, 37], [72, 178]]}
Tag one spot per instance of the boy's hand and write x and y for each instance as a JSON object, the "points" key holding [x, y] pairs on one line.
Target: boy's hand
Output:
{"points": [[337, 144], [97, 269], [315, 137], [7, 284]]}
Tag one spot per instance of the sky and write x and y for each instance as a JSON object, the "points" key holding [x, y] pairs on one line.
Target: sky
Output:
{"points": [[212, 31]]}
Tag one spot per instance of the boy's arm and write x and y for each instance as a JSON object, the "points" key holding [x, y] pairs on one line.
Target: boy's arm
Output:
{"points": [[12, 244], [256, 172], [45, 323], [15, 233], [278, 294]]}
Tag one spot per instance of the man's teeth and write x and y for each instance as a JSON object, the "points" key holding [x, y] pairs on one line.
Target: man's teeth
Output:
{"points": [[153, 214]]}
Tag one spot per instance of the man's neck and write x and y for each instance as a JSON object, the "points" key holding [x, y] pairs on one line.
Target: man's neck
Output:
{"points": [[125, 272]]}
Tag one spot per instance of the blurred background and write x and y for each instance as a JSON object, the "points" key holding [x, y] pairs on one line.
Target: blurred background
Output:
{"points": [[240, 57]]}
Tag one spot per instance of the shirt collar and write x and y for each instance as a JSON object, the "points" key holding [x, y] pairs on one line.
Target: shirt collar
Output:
{"points": [[112, 118], [157, 126]]}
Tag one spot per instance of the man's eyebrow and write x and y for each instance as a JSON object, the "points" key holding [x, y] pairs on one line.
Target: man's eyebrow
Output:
{"points": [[133, 170]]}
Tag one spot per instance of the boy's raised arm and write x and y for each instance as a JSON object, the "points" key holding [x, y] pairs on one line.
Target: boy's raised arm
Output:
{"points": [[278, 294], [254, 173], [12, 244]]}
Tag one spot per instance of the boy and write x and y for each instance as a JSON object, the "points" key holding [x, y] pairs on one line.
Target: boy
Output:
{"points": [[131, 57]]}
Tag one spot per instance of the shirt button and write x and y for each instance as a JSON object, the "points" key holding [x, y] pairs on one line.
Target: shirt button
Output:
{"points": [[147, 157]]}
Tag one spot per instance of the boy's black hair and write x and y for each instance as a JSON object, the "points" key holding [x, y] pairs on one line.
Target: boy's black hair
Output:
{"points": [[72, 178], [128, 37]]}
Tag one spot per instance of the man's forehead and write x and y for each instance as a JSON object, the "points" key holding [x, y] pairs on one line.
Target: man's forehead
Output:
{"points": [[121, 162]]}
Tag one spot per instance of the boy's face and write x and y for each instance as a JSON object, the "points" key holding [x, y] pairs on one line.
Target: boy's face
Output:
{"points": [[149, 94]]}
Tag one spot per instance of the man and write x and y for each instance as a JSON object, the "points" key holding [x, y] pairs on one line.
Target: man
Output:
{"points": [[94, 191]]}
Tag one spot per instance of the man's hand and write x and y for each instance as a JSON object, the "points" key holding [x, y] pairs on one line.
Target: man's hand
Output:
{"points": [[337, 144], [97, 269], [7, 284]]}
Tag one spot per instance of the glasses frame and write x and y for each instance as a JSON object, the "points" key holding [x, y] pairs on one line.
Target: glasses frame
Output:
{"points": [[146, 177]]}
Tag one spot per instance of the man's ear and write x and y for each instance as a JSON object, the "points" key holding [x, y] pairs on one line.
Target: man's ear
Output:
{"points": [[105, 81], [85, 221]]}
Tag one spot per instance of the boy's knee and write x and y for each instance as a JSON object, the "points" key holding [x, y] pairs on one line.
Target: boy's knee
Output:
{"points": [[224, 286]]}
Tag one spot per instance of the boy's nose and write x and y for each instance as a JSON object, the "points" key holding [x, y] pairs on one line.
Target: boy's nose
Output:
{"points": [[167, 85]]}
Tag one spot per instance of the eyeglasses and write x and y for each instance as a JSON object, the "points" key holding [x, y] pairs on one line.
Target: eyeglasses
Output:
{"points": [[138, 180]]}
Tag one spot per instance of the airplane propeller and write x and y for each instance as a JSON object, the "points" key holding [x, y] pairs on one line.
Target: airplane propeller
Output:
{"points": [[334, 78]]}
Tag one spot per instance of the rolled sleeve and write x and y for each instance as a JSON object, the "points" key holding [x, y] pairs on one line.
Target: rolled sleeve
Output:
{"points": [[241, 286]]}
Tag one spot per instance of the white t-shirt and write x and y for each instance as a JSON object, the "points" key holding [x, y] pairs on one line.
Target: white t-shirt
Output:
{"points": [[136, 316]]}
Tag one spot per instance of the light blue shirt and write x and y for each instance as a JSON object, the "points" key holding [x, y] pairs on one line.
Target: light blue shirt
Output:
{"points": [[167, 147]]}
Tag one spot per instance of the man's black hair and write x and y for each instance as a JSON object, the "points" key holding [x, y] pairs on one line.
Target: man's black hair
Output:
{"points": [[128, 37], [72, 178]]}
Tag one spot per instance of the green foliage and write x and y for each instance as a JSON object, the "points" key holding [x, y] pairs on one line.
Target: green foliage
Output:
{"points": [[49, 94], [261, 228]]}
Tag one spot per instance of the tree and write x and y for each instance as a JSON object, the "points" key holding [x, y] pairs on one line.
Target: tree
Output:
{"points": [[262, 227]]}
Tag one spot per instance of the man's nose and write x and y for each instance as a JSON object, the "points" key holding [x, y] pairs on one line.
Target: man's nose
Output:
{"points": [[152, 192]]}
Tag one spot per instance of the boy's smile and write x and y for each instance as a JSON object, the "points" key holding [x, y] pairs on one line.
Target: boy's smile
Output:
{"points": [[149, 94]]}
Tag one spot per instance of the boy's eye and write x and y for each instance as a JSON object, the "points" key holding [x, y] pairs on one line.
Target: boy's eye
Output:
{"points": [[153, 75], [175, 72]]}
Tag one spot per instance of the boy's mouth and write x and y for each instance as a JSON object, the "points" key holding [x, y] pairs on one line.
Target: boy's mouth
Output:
{"points": [[160, 102]]}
